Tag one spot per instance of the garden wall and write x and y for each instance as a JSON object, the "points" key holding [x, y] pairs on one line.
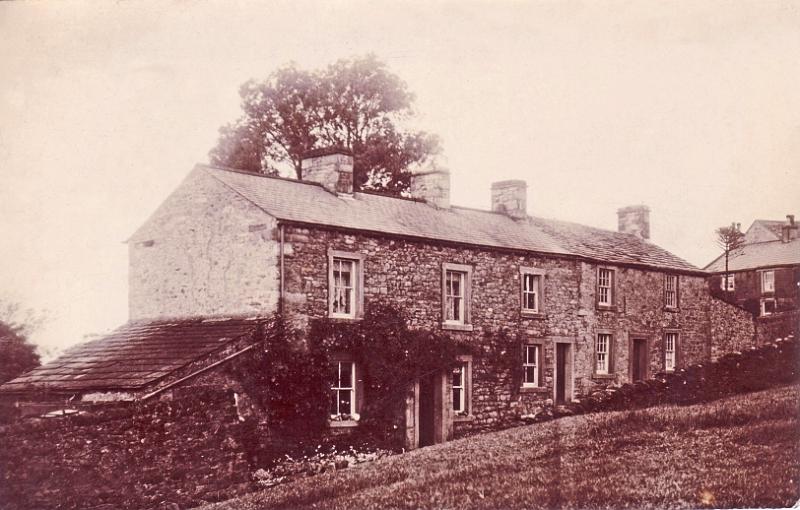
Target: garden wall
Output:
{"points": [[731, 328], [182, 451]]}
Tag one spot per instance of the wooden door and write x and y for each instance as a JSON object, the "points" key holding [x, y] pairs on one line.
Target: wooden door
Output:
{"points": [[639, 360], [562, 351], [427, 410]]}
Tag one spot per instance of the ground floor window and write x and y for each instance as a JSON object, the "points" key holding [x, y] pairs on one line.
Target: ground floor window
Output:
{"points": [[460, 381], [343, 389], [670, 351], [602, 351], [767, 306], [530, 366]]}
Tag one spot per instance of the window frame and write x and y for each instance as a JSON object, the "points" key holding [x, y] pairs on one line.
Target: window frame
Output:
{"points": [[357, 392], [610, 358], [465, 324], [676, 348], [731, 282], [358, 284], [612, 302], [676, 278], [539, 276], [465, 361], [762, 311], [540, 386], [764, 274]]}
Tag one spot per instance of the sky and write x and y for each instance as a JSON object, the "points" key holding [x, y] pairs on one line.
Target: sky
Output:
{"points": [[691, 108]]}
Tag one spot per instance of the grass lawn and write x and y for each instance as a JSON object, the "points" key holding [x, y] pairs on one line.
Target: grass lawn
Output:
{"points": [[742, 451]]}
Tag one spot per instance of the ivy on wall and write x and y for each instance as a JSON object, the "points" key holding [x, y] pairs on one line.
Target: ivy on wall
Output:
{"points": [[290, 378]]}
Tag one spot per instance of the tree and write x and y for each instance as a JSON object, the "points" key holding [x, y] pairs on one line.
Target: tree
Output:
{"points": [[356, 104], [730, 239], [17, 354]]}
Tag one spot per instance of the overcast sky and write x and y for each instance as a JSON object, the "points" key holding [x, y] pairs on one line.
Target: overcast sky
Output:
{"points": [[689, 107]]}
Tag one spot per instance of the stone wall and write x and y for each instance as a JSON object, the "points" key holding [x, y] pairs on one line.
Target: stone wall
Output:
{"points": [[183, 451], [408, 274], [731, 328], [205, 252]]}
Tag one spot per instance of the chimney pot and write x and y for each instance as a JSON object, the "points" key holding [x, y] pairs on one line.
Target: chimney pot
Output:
{"points": [[332, 167], [634, 219], [510, 198]]}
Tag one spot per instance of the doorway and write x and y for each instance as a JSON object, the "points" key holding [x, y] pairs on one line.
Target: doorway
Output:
{"points": [[639, 360], [427, 411], [563, 375]]}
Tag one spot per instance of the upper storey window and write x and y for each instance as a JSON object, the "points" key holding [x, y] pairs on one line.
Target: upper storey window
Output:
{"points": [[345, 284], [605, 287]]}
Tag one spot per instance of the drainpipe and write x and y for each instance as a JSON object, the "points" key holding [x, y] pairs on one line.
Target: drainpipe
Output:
{"points": [[282, 287]]}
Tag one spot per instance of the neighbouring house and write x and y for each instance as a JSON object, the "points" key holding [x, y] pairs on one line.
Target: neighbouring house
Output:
{"points": [[764, 276], [593, 307]]}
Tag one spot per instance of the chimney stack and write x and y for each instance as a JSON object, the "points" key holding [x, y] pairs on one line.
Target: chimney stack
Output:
{"points": [[332, 167], [510, 198], [634, 219], [789, 231], [432, 185]]}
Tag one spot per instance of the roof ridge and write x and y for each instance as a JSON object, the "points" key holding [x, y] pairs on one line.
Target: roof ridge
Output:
{"points": [[254, 174]]}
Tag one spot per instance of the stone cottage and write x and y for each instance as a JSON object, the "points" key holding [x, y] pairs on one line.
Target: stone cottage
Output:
{"points": [[594, 307]]}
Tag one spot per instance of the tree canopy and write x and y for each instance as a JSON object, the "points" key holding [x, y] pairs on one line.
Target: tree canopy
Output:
{"points": [[356, 104], [17, 354]]}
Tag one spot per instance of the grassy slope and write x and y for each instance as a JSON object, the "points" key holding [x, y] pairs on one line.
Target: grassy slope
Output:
{"points": [[742, 451]]}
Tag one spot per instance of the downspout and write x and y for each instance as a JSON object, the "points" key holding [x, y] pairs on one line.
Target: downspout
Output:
{"points": [[281, 296]]}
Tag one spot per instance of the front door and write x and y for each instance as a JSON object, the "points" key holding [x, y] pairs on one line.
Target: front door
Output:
{"points": [[562, 365], [639, 360], [427, 411]]}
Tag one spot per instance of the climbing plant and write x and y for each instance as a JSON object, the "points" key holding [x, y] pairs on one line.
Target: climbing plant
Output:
{"points": [[290, 377]]}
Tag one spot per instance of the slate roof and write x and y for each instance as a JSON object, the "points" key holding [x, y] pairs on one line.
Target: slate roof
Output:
{"points": [[774, 226], [310, 203], [610, 246], [756, 255], [133, 356]]}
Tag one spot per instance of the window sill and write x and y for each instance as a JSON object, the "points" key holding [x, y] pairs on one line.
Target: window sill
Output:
{"points": [[672, 309], [342, 424], [528, 314], [343, 318], [534, 389], [604, 377], [465, 417], [606, 308], [456, 327]]}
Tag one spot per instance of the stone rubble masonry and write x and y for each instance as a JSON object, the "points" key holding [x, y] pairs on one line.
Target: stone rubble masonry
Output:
{"points": [[634, 219], [334, 171], [510, 197], [732, 329], [408, 274], [184, 452], [206, 252], [432, 186]]}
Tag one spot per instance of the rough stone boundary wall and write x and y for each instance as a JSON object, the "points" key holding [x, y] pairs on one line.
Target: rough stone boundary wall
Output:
{"points": [[731, 329], [184, 451]]}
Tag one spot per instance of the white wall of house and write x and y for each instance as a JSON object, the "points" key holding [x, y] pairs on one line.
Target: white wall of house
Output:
{"points": [[206, 251]]}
